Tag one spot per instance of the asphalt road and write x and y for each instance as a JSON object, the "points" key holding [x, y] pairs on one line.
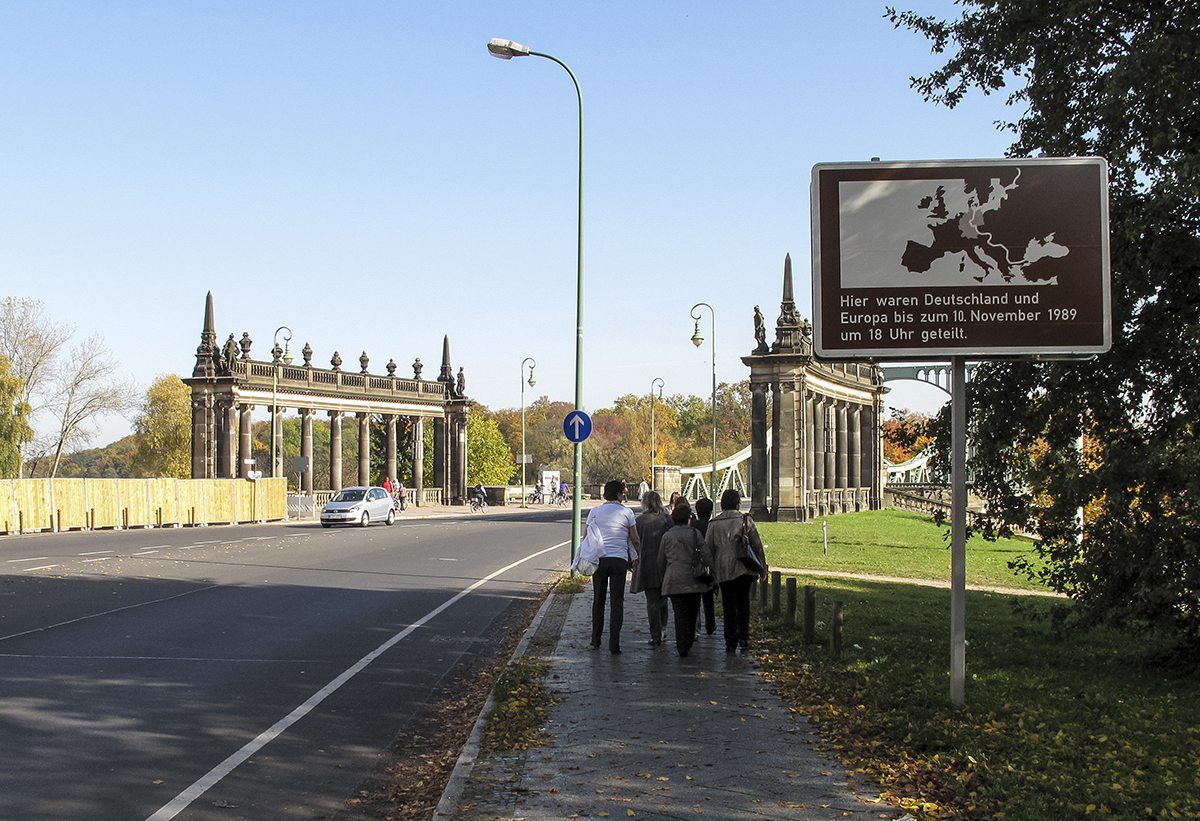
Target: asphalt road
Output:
{"points": [[249, 672]]}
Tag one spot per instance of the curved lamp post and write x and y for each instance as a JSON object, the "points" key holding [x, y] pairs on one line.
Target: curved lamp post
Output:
{"points": [[698, 340], [532, 382], [657, 381], [506, 50], [276, 428]]}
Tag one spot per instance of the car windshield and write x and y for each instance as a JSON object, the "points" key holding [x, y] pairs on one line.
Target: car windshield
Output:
{"points": [[353, 494]]}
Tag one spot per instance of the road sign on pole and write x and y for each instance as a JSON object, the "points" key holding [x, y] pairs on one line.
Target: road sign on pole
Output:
{"points": [[577, 426], [975, 258]]}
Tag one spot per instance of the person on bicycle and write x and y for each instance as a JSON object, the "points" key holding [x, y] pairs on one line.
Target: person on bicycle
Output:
{"points": [[480, 494]]}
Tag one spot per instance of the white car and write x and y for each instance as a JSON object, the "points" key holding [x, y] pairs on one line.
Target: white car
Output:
{"points": [[359, 506]]}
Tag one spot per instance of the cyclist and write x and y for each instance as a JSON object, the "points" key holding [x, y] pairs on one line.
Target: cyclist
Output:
{"points": [[480, 495]]}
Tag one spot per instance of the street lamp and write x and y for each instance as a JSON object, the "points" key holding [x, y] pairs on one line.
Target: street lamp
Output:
{"points": [[506, 50], [276, 429], [697, 340], [532, 382], [657, 381]]}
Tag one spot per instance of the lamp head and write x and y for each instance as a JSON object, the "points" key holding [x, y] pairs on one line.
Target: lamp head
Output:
{"points": [[506, 49], [287, 351], [532, 381], [697, 339]]}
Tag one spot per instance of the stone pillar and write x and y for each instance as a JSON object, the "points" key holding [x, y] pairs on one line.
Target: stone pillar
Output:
{"points": [[789, 502], [306, 450], [202, 435], [418, 458], [776, 436], [440, 463], [390, 470], [226, 435], [809, 449], [843, 444], [245, 441], [457, 435], [873, 452], [364, 448], [819, 448], [759, 475], [855, 455], [830, 414], [276, 443], [335, 450]]}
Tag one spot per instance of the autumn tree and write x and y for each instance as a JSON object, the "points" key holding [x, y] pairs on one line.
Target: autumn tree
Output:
{"points": [[905, 435], [163, 429], [14, 422], [1120, 81], [32, 343], [489, 461]]}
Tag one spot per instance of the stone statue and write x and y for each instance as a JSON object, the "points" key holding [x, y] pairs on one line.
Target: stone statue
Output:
{"points": [[417, 368], [229, 354], [760, 332], [806, 328], [307, 354], [461, 388], [336, 361], [245, 344], [364, 360], [391, 367]]}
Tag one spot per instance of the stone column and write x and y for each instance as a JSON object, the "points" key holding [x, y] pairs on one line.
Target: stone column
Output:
{"points": [[810, 449], [306, 450], [440, 473], [855, 455], [788, 504], [830, 444], [364, 448], [276, 443], [245, 441], [843, 444], [418, 459], [458, 456], [759, 474], [818, 446], [202, 435], [776, 437], [335, 450], [873, 452], [390, 421], [226, 428]]}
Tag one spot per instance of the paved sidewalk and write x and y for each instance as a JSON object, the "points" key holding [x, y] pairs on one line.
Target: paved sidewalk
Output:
{"points": [[648, 735]]}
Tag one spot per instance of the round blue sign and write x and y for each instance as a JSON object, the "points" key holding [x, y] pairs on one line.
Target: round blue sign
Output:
{"points": [[577, 426]]}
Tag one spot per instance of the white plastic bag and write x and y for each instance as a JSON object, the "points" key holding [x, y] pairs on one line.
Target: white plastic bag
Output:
{"points": [[591, 550]]}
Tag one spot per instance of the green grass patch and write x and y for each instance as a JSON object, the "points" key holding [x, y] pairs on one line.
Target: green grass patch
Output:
{"points": [[891, 543], [1056, 726]]}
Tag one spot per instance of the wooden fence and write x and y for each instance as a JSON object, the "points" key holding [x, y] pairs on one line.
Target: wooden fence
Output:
{"points": [[28, 505]]}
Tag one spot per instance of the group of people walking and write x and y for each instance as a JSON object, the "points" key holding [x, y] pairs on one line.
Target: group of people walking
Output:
{"points": [[669, 548]]}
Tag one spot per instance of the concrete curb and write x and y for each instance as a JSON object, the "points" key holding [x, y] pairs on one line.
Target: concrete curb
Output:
{"points": [[446, 807]]}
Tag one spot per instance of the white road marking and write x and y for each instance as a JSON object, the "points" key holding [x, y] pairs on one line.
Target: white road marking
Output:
{"points": [[97, 552], [180, 802], [30, 559], [146, 552], [43, 567], [101, 559], [107, 612]]}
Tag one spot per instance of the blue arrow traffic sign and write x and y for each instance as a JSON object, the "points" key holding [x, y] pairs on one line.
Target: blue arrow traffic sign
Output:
{"points": [[577, 426]]}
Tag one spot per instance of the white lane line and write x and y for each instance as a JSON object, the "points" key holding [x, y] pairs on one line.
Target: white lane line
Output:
{"points": [[43, 567], [180, 802], [146, 552], [96, 553], [101, 559], [155, 658], [30, 559], [107, 612], [212, 541]]}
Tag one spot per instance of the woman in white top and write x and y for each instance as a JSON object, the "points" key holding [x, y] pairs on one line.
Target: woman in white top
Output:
{"points": [[618, 527]]}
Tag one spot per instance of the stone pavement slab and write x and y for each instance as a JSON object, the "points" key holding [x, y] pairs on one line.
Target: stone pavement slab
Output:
{"points": [[649, 735]]}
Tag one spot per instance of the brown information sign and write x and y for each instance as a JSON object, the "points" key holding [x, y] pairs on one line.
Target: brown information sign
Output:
{"points": [[976, 258]]}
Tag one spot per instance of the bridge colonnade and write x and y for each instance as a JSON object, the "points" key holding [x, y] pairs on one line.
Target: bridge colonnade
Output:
{"points": [[227, 385], [826, 452]]}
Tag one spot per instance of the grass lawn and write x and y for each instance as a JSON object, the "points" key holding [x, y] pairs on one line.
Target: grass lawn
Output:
{"points": [[1056, 726], [891, 543]]}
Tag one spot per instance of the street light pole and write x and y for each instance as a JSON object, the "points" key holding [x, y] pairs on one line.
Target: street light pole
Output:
{"points": [[276, 429], [697, 340], [506, 50], [657, 381], [532, 382]]}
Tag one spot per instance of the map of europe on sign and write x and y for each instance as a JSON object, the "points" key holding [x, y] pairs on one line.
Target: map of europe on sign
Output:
{"points": [[969, 257]]}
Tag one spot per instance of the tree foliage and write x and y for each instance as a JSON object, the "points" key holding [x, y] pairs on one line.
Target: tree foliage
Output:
{"points": [[1121, 81], [905, 435], [488, 458], [163, 430], [14, 422]]}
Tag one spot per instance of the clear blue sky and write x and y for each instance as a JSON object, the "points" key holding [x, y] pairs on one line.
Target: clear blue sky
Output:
{"points": [[367, 174]]}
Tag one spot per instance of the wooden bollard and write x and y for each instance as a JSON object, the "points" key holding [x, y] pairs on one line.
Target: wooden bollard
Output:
{"points": [[776, 577], [791, 600], [810, 613], [837, 629], [762, 596]]}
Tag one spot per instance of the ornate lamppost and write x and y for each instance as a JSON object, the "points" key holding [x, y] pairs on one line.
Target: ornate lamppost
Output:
{"points": [[276, 428], [697, 340], [532, 382], [657, 381]]}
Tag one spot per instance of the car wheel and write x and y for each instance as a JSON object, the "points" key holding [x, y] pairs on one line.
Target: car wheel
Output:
{"points": [[365, 520], [391, 517]]}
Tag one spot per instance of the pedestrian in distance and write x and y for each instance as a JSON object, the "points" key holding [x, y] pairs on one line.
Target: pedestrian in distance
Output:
{"points": [[401, 494], [617, 527], [731, 574], [647, 576], [387, 484], [677, 555], [704, 509]]}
